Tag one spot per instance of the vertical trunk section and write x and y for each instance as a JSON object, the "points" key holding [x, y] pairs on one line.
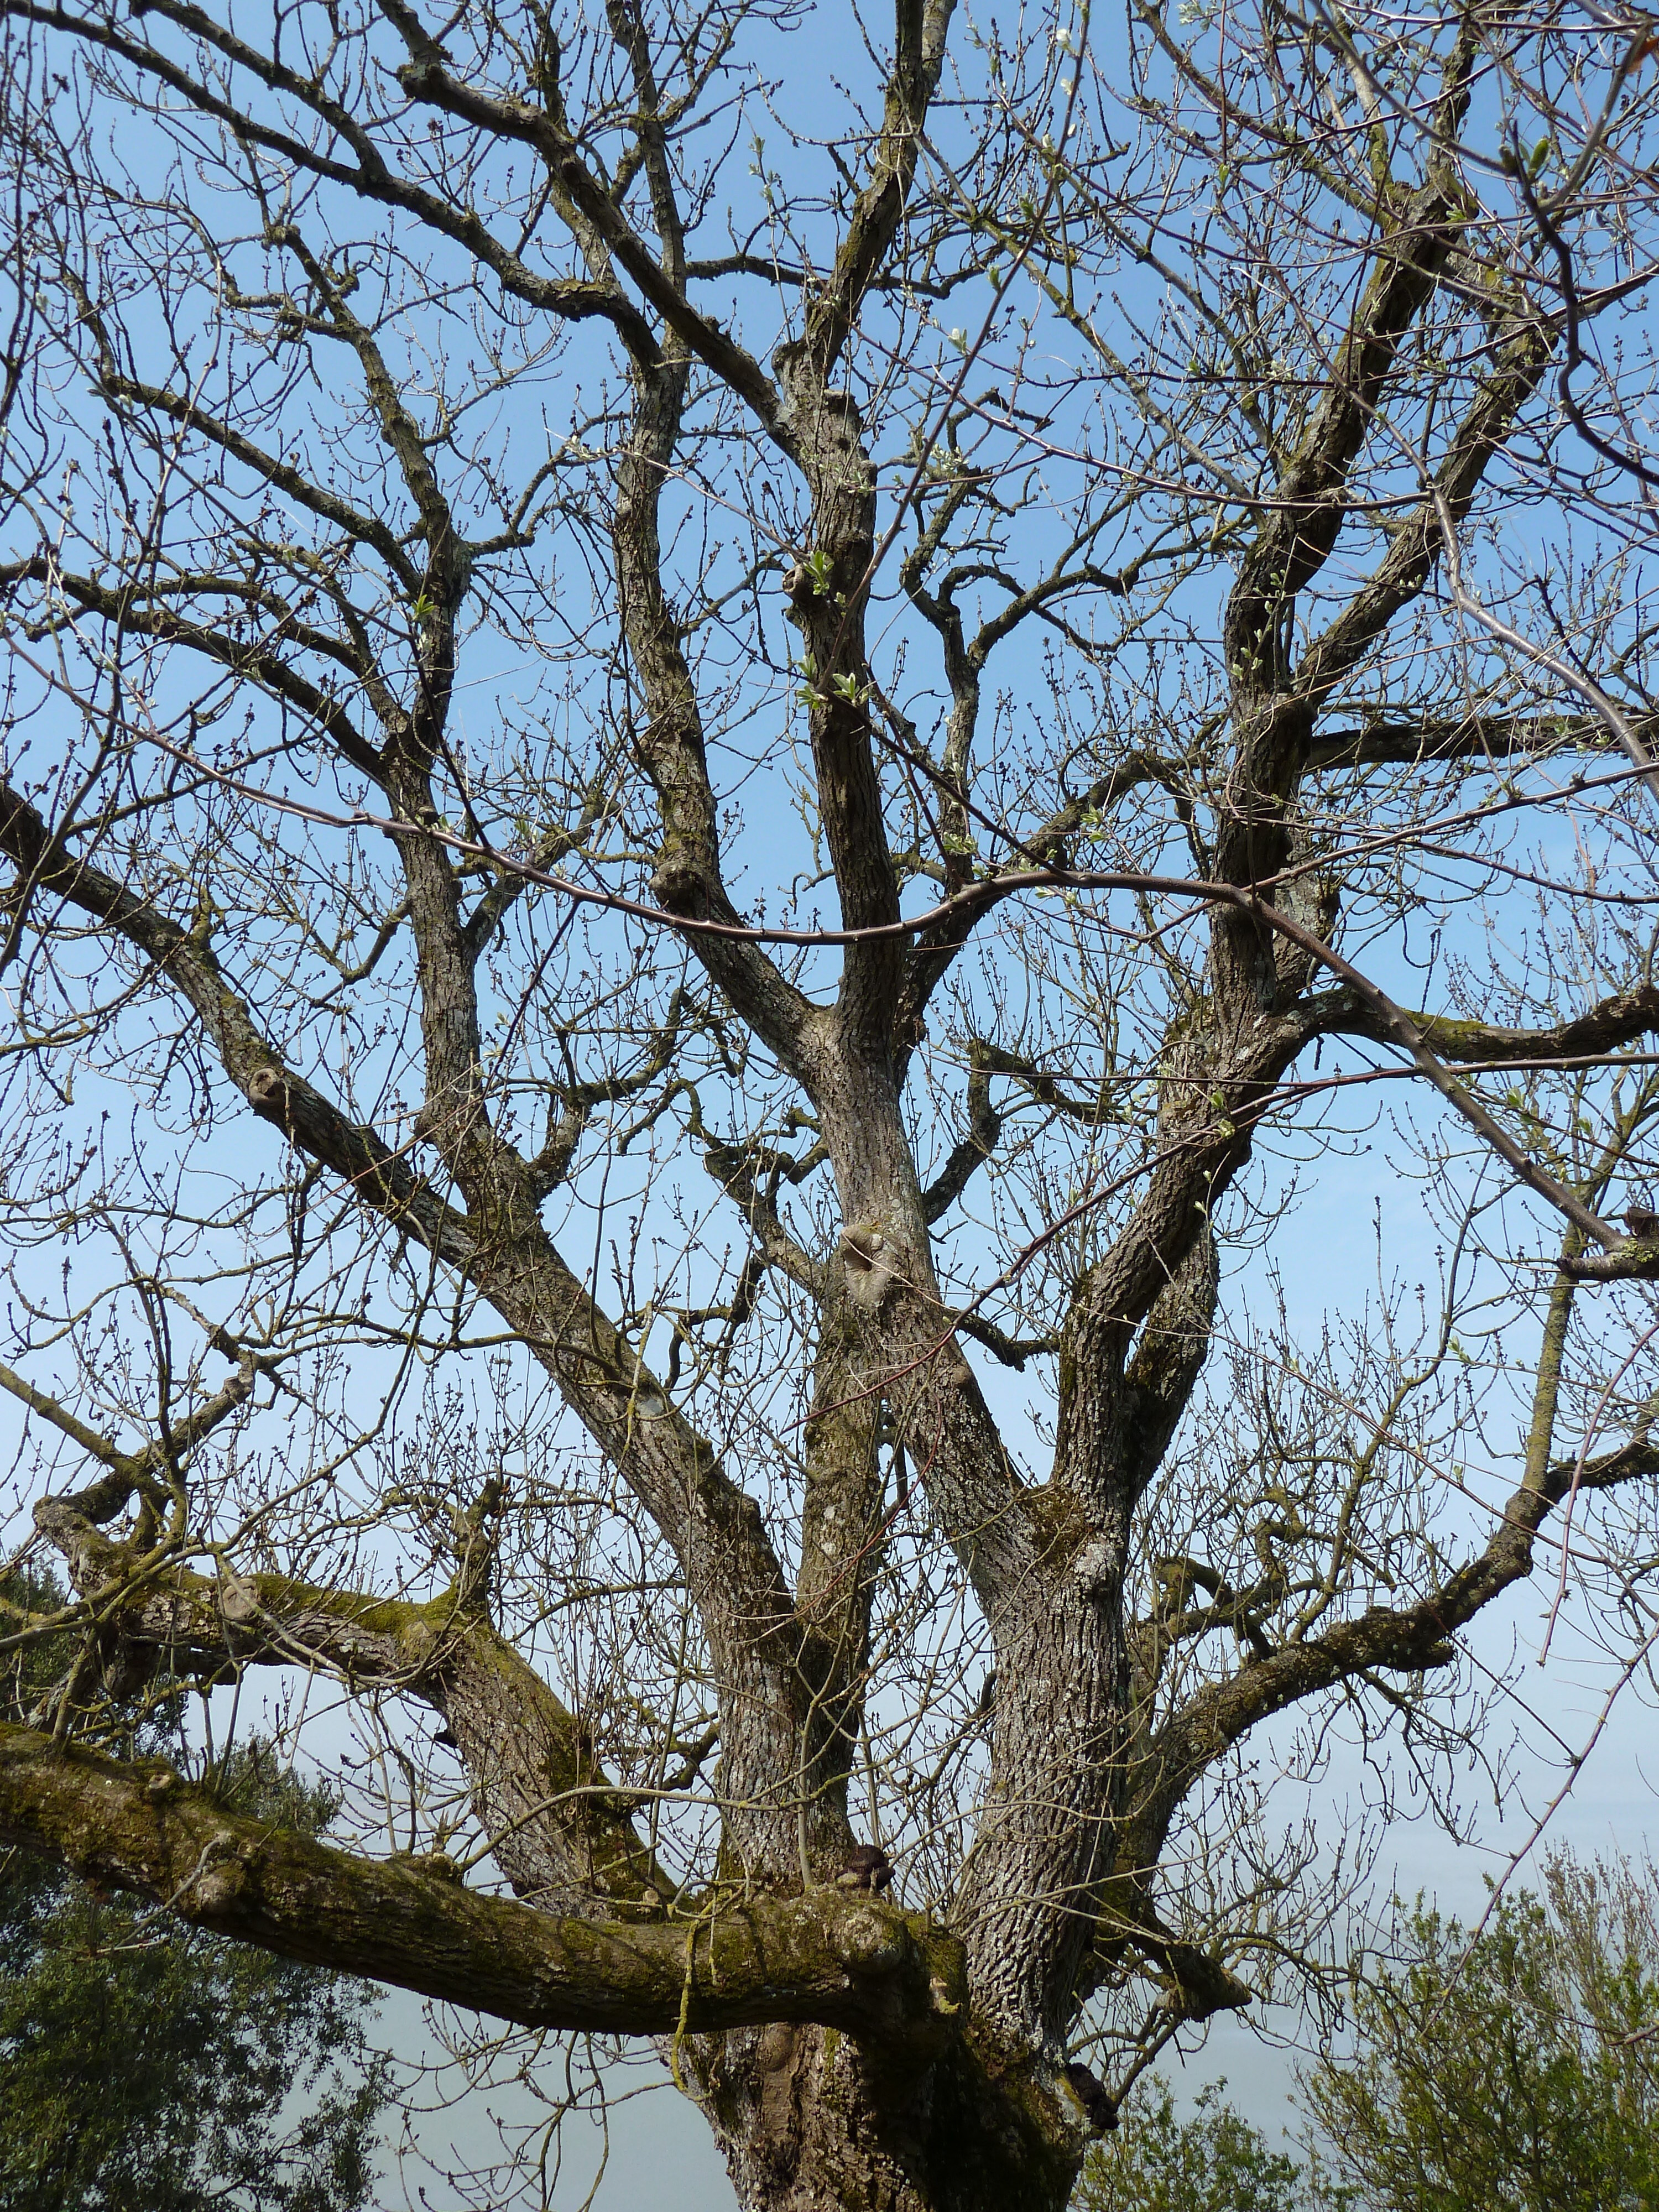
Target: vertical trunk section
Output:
{"points": [[809, 2121]]}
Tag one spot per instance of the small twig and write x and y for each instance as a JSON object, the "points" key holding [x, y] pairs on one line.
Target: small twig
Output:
{"points": [[1614, 1380]]}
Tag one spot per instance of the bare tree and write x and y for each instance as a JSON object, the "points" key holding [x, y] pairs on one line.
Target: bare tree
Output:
{"points": [[741, 745]]}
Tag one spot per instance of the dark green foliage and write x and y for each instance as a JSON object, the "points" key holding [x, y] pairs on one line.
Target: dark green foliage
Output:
{"points": [[145, 2067]]}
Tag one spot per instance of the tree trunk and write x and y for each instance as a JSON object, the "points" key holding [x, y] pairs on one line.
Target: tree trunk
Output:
{"points": [[808, 2123]]}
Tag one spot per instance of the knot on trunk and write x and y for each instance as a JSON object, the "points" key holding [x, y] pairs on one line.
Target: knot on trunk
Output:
{"points": [[870, 1262], [1099, 2105], [679, 886]]}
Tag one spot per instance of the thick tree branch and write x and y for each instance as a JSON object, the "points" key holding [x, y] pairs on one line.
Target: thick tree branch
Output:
{"points": [[969, 1153], [428, 77], [147, 613], [850, 1961], [1404, 1638], [688, 878], [381, 1178], [829, 598], [841, 1546], [1602, 1027], [1420, 543], [1386, 740], [714, 1528], [557, 1829], [920, 29], [368, 175], [1309, 503]]}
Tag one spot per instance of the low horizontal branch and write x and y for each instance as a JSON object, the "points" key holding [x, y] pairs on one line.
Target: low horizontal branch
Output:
{"points": [[840, 1959], [1610, 1023], [1411, 741], [1635, 1260]]}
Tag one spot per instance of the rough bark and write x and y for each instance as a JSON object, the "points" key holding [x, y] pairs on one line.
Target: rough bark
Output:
{"points": [[854, 1961], [850, 2056]]}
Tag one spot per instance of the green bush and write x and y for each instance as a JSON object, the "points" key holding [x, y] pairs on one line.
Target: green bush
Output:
{"points": [[1516, 2070]]}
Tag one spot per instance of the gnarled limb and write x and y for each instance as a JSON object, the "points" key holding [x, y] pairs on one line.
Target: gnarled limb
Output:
{"points": [[1406, 1639], [556, 1828], [1614, 1021], [713, 1525], [849, 1961]]}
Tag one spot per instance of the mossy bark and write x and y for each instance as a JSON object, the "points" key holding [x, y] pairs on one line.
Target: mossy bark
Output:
{"points": [[812, 2120]]}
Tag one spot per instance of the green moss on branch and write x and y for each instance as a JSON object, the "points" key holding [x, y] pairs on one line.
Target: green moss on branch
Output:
{"points": [[848, 1960]]}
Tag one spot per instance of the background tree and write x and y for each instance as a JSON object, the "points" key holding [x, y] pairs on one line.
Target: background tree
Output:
{"points": [[1214, 2162], [1496, 2069], [147, 2067], [701, 839], [1515, 2067]]}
